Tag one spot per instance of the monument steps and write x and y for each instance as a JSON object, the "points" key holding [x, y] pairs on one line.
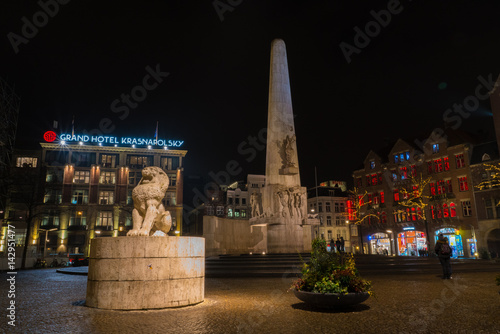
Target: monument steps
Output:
{"points": [[255, 265]]}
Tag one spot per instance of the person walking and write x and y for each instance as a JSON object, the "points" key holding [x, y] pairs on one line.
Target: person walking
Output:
{"points": [[337, 243], [332, 245], [443, 251], [342, 244]]}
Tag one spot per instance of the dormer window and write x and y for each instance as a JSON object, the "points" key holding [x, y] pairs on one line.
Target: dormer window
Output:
{"points": [[435, 148], [372, 164]]}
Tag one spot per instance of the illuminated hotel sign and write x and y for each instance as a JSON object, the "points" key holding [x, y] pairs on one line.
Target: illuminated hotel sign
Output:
{"points": [[408, 228], [50, 136]]}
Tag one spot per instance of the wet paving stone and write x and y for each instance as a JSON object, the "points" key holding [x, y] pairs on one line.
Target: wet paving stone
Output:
{"points": [[49, 302]]}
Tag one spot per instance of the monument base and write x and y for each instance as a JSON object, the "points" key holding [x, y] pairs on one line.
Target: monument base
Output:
{"points": [[289, 171], [142, 272]]}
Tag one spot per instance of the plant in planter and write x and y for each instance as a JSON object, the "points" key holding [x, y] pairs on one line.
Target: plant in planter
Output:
{"points": [[330, 279]]}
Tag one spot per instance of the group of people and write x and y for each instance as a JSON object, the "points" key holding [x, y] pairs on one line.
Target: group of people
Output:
{"points": [[338, 245]]}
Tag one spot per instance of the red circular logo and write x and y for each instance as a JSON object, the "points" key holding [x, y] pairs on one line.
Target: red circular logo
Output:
{"points": [[49, 136]]}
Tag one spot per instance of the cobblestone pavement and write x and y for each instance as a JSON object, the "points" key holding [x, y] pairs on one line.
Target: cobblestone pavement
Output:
{"points": [[49, 302]]}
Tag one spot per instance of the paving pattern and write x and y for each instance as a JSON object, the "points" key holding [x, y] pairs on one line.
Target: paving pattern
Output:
{"points": [[50, 302]]}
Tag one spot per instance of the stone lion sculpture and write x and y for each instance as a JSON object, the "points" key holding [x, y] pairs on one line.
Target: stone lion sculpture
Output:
{"points": [[149, 214]]}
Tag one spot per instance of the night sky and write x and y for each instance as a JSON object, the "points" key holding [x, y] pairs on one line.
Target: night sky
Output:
{"points": [[397, 84]]}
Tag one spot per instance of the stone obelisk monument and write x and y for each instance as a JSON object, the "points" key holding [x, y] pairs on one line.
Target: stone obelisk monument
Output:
{"points": [[284, 201]]}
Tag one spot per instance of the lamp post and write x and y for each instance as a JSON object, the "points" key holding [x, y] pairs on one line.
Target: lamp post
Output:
{"points": [[46, 237], [349, 231]]}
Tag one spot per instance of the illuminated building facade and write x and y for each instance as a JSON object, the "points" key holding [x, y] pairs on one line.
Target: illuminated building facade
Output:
{"points": [[448, 200], [85, 192], [328, 202]]}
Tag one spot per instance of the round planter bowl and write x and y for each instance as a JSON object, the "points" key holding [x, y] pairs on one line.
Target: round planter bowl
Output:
{"points": [[331, 299]]}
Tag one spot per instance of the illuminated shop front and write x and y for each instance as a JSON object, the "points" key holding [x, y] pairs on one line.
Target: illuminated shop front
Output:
{"points": [[380, 243], [455, 240], [411, 242]]}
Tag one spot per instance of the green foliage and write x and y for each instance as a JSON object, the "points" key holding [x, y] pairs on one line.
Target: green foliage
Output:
{"points": [[329, 272]]}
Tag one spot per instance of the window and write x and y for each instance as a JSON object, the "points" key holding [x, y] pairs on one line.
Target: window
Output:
{"points": [[129, 197], [210, 210], [359, 182], [53, 196], [106, 197], [237, 213], [81, 176], [134, 178], [396, 158], [382, 199], [466, 208], [372, 164], [50, 219], [80, 197], [403, 171], [459, 159], [446, 163], [337, 207], [379, 178], [394, 175], [488, 204], [383, 218], [107, 178], [368, 180], [441, 189], [375, 198], [54, 175], [429, 167], [243, 213], [136, 161], [26, 162], [105, 218], [330, 236], [78, 218], [170, 199], [435, 148], [453, 210], [237, 201], [438, 165], [374, 178], [433, 213], [243, 201], [342, 207], [449, 188], [108, 160], [446, 211], [83, 159], [220, 210], [320, 207], [413, 170], [328, 207], [339, 221], [462, 183], [328, 221], [230, 212], [170, 163], [396, 195]]}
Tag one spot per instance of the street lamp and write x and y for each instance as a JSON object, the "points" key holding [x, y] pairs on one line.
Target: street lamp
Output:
{"points": [[46, 237]]}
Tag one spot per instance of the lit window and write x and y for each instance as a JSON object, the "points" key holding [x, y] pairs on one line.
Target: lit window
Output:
{"points": [[26, 162], [446, 163], [382, 200], [453, 210], [81, 176], [80, 197], [462, 183], [413, 171], [438, 165], [78, 218], [105, 218], [107, 178], [372, 164], [329, 207], [396, 195], [435, 148], [448, 186], [403, 171], [106, 197], [433, 188], [394, 175], [446, 212], [459, 159]]}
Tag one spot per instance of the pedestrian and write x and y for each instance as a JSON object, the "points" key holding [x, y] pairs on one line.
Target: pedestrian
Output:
{"points": [[342, 244], [443, 251], [337, 243], [332, 245]]}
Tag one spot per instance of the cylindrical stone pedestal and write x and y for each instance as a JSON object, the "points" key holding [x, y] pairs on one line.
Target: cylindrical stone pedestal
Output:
{"points": [[137, 273]]}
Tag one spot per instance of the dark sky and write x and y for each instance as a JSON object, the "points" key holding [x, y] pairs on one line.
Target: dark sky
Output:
{"points": [[400, 84]]}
